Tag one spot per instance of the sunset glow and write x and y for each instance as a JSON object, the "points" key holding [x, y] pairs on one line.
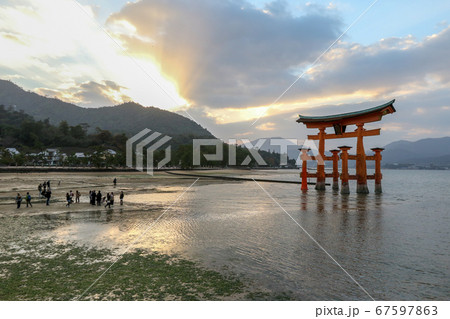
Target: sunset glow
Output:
{"points": [[181, 57]]}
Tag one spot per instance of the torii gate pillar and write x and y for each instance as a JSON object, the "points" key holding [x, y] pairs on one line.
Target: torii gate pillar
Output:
{"points": [[320, 183], [361, 168]]}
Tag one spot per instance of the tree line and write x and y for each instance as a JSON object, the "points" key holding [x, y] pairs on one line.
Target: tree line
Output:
{"points": [[32, 138]]}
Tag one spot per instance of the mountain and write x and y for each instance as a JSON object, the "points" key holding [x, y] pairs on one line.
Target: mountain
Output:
{"points": [[425, 152], [128, 118], [422, 152]]}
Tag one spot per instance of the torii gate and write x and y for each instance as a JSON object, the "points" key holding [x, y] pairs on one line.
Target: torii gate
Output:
{"points": [[340, 122]]}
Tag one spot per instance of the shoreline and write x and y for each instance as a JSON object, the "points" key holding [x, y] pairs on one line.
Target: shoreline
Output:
{"points": [[61, 169], [47, 169]]}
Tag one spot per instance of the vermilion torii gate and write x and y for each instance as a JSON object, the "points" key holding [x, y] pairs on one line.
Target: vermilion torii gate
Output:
{"points": [[340, 122]]}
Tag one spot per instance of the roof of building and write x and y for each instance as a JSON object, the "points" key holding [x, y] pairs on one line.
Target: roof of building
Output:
{"points": [[383, 109], [12, 150]]}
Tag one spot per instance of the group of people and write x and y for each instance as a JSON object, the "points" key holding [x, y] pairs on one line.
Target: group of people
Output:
{"points": [[27, 198], [95, 198], [70, 195]]}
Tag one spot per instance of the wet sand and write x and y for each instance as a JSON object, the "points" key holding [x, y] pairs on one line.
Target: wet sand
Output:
{"points": [[385, 241], [132, 184], [34, 241]]}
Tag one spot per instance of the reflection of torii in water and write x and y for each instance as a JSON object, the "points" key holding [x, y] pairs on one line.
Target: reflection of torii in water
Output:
{"points": [[340, 122]]}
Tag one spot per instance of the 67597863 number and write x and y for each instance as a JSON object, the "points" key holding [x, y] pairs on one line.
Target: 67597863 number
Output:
{"points": [[406, 310]]}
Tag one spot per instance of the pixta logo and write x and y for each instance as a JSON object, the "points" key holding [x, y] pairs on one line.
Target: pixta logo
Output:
{"points": [[253, 149], [150, 142]]}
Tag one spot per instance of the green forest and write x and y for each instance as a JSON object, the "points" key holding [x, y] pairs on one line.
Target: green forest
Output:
{"points": [[101, 148]]}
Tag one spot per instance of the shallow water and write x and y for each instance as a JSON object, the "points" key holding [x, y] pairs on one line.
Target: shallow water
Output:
{"points": [[395, 245]]}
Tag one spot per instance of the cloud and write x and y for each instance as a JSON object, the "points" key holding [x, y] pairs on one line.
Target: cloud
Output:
{"points": [[277, 8], [230, 60], [89, 94], [269, 126], [390, 67], [58, 44], [225, 53], [405, 124], [414, 72]]}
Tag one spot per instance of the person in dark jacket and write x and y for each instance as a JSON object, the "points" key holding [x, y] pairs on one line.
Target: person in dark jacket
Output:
{"points": [[18, 200], [48, 195], [121, 197], [99, 198], [69, 199], [93, 197]]}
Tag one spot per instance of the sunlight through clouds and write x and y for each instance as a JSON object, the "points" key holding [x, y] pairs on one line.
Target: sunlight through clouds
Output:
{"points": [[60, 46], [225, 62]]}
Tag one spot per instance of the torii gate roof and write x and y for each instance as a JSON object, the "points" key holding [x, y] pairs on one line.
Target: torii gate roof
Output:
{"points": [[368, 115]]}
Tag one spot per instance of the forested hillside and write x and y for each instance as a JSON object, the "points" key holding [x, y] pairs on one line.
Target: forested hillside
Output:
{"points": [[128, 118]]}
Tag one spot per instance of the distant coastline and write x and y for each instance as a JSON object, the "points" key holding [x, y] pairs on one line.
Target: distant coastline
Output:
{"points": [[45, 169]]}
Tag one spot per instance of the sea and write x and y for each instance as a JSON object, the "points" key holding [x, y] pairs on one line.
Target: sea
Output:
{"points": [[309, 246]]}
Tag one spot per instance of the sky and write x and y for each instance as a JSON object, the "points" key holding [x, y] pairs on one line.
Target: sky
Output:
{"points": [[240, 68]]}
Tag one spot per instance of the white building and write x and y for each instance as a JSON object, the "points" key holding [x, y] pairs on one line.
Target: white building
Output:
{"points": [[111, 152], [52, 156], [12, 150]]}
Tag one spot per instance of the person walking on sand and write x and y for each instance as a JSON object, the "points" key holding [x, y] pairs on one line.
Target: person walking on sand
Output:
{"points": [[18, 200], [108, 200], [99, 198], [115, 181], [93, 197], [111, 199], [121, 197], [69, 200], [77, 196], [40, 190], [48, 195], [28, 199]]}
